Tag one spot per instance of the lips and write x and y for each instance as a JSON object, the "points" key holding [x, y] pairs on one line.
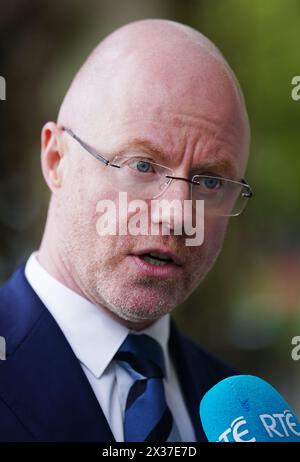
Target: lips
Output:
{"points": [[156, 259], [159, 257]]}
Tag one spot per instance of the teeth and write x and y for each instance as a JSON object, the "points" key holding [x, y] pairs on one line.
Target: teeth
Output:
{"points": [[154, 261], [159, 255]]}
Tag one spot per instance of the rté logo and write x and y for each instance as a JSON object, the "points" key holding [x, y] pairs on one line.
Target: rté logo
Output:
{"points": [[281, 424]]}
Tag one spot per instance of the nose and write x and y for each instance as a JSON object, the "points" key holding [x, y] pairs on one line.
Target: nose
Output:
{"points": [[167, 211]]}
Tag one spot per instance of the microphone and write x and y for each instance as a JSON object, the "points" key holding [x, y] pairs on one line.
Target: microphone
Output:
{"points": [[245, 408]]}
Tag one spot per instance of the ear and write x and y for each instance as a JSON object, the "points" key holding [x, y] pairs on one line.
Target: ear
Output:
{"points": [[52, 155]]}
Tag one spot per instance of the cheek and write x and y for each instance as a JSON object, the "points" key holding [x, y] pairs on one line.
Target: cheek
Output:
{"points": [[104, 211], [79, 198], [91, 188], [216, 227], [203, 257], [214, 233]]}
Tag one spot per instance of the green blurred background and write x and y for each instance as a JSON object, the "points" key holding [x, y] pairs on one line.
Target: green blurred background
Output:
{"points": [[248, 308]]}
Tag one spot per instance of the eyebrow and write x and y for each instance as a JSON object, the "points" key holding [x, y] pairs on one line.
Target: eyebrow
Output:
{"points": [[219, 165], [146, 145]]}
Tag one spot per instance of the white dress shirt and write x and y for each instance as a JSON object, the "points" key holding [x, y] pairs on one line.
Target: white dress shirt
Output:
{"points": [[95, 337]]}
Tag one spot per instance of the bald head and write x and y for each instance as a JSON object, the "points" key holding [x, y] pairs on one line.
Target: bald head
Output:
{"points": [[154, 65]]}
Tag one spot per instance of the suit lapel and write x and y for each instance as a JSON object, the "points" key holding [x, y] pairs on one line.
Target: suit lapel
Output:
{"points": [[191, 375], [42, 380]]}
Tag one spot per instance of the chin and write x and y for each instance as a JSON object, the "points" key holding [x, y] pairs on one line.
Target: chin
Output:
{"points": [[131, 309]]}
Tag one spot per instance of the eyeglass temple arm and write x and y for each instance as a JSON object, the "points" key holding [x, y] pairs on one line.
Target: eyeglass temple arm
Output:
{"points": [[249, 193], [88, 148]]}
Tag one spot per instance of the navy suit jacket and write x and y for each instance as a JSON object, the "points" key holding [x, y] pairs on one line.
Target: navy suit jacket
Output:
{"points": [[44, 393]]}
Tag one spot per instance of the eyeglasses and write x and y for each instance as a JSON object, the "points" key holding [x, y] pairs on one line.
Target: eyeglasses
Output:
{"points": [[149, 180]]}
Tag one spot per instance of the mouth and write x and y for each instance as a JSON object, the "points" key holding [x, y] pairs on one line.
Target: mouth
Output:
{"points": [[157, 262], [156, 259], [159, 257]]}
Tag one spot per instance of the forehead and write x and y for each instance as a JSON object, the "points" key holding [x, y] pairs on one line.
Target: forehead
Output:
{"points": [[185, 77], [179, 107]]}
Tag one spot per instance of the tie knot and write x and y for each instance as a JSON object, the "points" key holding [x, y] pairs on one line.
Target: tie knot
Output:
{"points": [[143, 354]]}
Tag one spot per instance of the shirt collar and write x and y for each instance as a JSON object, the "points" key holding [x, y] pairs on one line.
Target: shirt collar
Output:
{"points": [[92, 333]]}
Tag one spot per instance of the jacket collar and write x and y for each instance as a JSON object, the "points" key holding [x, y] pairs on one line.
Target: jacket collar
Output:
{"points": [[46, 375]]}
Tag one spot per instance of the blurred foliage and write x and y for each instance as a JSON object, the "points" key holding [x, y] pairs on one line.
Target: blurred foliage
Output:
{"points": [[248, 308]]}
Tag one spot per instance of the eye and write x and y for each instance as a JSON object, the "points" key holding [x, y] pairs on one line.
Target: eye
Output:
{"points": [[142, 166], [212, 183], [209, 183]]}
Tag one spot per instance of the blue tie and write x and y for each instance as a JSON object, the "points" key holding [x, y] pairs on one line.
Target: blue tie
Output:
{"points": [[147, 416]]}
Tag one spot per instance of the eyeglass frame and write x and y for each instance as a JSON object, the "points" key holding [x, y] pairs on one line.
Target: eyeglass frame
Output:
{"points": [[102, 159]]}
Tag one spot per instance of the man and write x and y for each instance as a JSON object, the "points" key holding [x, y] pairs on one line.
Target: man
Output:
{"points": [[91, 351]]}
